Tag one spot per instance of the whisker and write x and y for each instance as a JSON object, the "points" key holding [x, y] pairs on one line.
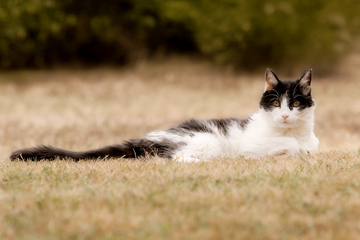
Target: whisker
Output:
{"points": [[295, 89], [295, 135], [317, 127], [277, 92], [273, 95]]}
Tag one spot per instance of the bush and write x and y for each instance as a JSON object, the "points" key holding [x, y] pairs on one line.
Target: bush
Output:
{"points": [[248, 34], [255, 33]]}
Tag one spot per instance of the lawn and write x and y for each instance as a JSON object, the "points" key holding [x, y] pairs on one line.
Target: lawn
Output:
{"points": [[307, 197]]}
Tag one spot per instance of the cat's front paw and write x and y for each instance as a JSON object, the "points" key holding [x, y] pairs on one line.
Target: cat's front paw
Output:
{"points": [[181, 157], [248, 155], [186, 159], [288, 147], [292, 152]]}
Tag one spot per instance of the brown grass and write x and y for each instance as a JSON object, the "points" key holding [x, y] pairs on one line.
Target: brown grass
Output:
{"points": [[312, 197]]}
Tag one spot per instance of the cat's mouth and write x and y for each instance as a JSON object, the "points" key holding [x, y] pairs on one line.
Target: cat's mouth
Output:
{"points": [[285, 123]]}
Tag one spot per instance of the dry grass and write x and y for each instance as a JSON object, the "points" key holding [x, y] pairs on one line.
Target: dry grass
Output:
{"points": [[313, 197]]}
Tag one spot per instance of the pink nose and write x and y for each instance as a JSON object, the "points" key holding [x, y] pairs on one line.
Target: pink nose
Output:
{"points": [[285, 116]]}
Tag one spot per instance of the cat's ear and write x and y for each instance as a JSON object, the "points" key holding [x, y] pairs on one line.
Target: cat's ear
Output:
{"points": [[305, 81], [271, 80]]}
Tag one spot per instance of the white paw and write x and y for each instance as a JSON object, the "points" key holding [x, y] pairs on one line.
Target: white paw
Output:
{"points": [[252, 155], [186, 159], [290, 147], [292, 152]]}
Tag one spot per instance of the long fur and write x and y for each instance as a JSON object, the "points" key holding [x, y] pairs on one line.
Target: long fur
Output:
{"points": [[283, 125]]}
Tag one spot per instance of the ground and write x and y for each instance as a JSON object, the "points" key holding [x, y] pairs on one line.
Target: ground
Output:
{"points": [[307, 197]]}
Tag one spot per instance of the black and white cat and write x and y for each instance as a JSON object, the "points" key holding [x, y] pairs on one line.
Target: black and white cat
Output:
{"points": [[283, 125]]}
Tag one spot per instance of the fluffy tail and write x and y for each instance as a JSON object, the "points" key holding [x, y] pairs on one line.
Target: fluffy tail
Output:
{"points": [[130, 149]]}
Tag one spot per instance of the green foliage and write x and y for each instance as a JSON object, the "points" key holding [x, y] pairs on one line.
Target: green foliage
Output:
{"points": [[237, 32], [25, 29], [257, 32]]}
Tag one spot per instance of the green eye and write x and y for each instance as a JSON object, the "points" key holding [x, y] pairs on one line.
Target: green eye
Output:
{"points": [[276, 103], [296, 104]]}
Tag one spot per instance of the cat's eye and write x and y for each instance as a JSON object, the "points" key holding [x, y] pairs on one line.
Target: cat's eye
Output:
{"points": [[296, 104], [276, 103]]}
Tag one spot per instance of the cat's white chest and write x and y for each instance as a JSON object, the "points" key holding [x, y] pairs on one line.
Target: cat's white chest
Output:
{"points": [[261, 139]]}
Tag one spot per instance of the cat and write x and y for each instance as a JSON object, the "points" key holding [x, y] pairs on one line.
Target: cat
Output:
{"points": [[284, 125]]}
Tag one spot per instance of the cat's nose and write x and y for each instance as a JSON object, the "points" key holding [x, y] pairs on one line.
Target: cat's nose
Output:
{"points": [[285, 116]]}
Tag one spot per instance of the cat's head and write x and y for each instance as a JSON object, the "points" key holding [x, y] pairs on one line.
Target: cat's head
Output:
{"points": [[287, 104]]}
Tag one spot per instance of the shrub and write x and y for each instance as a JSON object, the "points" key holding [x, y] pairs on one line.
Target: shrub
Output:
{"points": [[242, 33], [255, 33]]}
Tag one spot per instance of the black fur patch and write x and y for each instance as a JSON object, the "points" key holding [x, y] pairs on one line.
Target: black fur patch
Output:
{"points": [[289, 89], [130, 149], [224, 124], [242, 122], [189, 127], [143, 147], [221, 124], [192, 126]]}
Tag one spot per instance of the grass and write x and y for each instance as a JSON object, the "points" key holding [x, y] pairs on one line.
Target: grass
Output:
{"points": [[307, 197], [314, 197]]}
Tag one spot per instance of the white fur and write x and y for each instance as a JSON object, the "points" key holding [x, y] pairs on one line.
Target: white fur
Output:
{"points": [[280, 131], [266, 134]]}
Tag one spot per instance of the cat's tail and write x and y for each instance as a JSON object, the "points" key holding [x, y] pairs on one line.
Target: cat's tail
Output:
{"points": [[130, 149]]}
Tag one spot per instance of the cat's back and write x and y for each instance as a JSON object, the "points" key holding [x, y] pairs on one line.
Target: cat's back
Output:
{"points": [[219, 127]]}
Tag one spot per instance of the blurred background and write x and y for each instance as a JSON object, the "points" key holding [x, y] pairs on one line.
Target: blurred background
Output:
{"points": [[80, 74], [242, 34]]}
